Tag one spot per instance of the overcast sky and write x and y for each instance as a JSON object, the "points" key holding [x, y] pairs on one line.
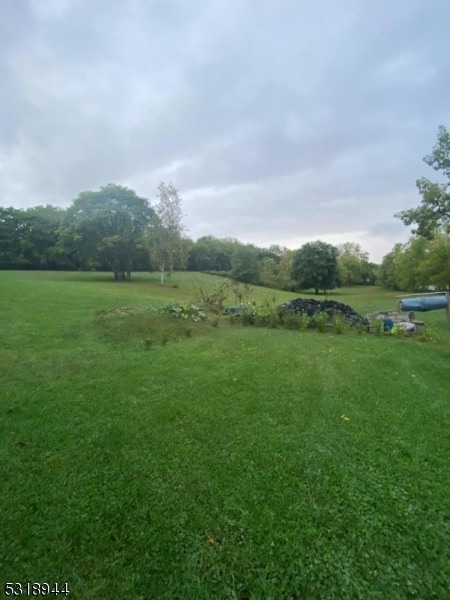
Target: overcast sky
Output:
{"points": [[279, 121]]}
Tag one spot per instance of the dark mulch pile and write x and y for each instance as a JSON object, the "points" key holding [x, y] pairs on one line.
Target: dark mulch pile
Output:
{"points": [[331, 308]]}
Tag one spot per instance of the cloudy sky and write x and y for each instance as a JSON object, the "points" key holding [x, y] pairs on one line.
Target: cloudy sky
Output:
{"points": [[279, 121]]}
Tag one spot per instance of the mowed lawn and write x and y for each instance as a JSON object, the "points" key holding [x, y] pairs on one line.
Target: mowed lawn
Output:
{"points": [[235, 463]]}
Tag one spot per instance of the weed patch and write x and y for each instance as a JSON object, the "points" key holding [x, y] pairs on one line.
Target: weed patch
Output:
{"points": [[148, 326]]}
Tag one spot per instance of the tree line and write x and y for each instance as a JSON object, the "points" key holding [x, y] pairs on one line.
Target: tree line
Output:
{"points": [[109, 229], [115, 229]]}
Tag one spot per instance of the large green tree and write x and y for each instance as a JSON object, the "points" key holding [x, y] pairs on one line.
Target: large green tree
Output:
{"points": [[315, 266], [434, 211], [107, 227]]}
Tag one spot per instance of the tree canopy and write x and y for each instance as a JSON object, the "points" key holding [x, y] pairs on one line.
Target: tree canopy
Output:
{"points": [[107, 227], [315, 266], [417, 264], [244, 264], [210, 254], [28, 238], [354, 265], [434, 210]]}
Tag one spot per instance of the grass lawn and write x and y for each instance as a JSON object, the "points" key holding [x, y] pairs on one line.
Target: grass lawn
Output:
{"points": [[235, 463]]}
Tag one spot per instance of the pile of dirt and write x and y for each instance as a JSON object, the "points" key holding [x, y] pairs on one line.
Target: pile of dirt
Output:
{"points": [[331, 308]]}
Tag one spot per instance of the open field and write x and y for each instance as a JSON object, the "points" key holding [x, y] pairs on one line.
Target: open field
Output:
{"points": [[234, 463]]}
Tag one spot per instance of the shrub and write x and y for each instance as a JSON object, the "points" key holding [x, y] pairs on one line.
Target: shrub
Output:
{"points": [[320, 321], [339, 324], [304, 322], [378, 327], [290, 320], [360, 328], [248, 313], [211, 298], [241, 291], [424, 334]]}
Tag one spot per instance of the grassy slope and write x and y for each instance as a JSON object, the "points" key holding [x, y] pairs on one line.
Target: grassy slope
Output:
{"points": [[119, 464]]}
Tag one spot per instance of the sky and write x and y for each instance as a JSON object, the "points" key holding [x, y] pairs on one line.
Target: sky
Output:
{"points": [[279, 121]]}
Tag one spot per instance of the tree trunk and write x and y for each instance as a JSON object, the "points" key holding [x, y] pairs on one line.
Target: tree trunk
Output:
{"points": [[316, 291], [162, 274]]}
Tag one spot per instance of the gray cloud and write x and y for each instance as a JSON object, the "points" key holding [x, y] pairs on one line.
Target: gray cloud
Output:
{"points": [[278, 122]]}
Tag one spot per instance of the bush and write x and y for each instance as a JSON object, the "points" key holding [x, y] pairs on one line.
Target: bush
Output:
{"points": [[378, 327], [290, 320], [304, 322], [320, 321], [339, 324], [424, 334], [248, 313], [241, 291], [211, 298]]}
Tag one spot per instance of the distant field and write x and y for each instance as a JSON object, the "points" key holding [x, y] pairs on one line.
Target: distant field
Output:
{"points": [[234, 463]]}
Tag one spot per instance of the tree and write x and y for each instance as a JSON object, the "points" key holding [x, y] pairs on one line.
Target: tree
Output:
{"points": [[166, 242], [417, 264], [244, 264], [210, 254], [269, 272], [315, 266], [28, 238], [275, 267], [107, 227], [353, 264], [434, 268], [434, 210], [285, 269], [410, 276], [388, 271]]}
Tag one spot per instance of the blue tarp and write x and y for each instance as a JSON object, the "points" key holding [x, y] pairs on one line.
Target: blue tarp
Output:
{"points": [[423, 303]]}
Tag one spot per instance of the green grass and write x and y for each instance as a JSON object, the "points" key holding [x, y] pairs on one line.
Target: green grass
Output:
{"points": [[236, 462]]}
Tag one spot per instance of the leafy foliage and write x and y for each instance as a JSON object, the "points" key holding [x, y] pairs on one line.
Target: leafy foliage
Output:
{"points": [[315, 266], [244, 264], [107, 227], [184, 311], [211, 297], [417, 264], [211, 254], [29, 239], [354, 266], [434, 210]]}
